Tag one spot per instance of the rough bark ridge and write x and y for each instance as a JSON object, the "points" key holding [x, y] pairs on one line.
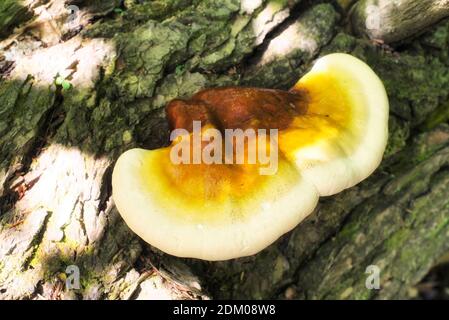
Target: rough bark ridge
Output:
{"points": [[395, 20], [76, 91]]}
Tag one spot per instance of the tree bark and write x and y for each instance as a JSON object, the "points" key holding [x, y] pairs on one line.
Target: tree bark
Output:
{"points": [[120, 65], [395, 20]]}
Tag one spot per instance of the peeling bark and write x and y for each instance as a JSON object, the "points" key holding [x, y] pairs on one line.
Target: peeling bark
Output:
{"points": [[395, 20], [58, 146]]}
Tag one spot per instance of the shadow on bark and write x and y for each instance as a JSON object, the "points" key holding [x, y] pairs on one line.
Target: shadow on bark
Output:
{"points": [[12, 13]]}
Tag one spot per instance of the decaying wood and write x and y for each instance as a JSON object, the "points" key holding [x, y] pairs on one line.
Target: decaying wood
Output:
{"points": [[395, 20], [58, 146]]}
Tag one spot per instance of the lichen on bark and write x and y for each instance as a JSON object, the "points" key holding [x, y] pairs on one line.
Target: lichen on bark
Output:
{"points": [[58, 146]]}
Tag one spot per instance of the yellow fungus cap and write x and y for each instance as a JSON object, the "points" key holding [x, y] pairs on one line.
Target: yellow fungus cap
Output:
{"points": [[224, 211]]}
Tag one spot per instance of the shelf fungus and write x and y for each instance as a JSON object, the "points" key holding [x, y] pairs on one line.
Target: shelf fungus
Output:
{"points": [[247, 165]]}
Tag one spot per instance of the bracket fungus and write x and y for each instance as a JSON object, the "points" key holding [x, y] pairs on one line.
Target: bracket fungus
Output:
{"points": [[331, 133]]}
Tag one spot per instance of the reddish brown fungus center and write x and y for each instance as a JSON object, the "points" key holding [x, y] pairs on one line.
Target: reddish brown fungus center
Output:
{"points": [[238, 107]]}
